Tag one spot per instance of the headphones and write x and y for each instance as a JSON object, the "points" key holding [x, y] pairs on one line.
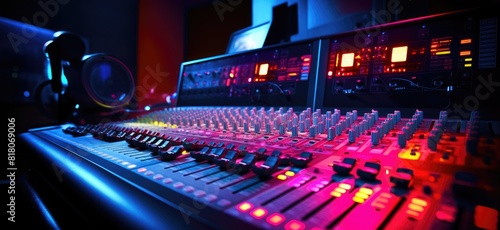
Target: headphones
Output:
{"points": [[79, 83]]}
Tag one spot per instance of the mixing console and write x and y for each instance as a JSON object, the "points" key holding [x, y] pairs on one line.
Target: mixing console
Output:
{"points": [[392, 127], [303, 169]]}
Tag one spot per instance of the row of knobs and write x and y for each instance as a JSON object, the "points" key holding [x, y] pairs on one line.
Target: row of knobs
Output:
{"points": [[287, 122]]}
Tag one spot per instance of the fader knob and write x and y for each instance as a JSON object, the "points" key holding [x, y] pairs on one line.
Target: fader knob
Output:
{"points": [[344, 167], [171, 154], [226, 161], [403, 178], [302, 159], [369, 171], [246, 163], [268, 167]]}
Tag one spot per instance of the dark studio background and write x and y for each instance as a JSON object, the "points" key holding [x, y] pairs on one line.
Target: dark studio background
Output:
{"points": [[158, 35]]}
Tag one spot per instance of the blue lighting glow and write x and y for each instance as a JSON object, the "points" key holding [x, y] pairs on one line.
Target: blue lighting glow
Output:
{"points": [[26, 93], [147, 108], [64, 80], [75, 169], [105, 71], [77, 106], [45, 212]]}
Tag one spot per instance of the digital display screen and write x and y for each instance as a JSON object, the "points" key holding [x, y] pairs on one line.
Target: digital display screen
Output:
{"points": [[248, 38], [399, 54], [347, 60], [263, 69]]}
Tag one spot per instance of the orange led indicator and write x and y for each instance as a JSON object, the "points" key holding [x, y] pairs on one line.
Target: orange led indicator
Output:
{"points": [[465, 53], [275, 219], [281, 177], [465, 41], [336, 194], [358, 199], [244, 207], [295, 225], [258, 213], [419, 202]]}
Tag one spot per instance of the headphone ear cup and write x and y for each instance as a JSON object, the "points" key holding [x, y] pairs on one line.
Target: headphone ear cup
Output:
{"points": [[72, 47], [54, 54]]}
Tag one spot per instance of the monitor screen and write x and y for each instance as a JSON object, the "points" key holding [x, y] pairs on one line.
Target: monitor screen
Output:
{"points": [[248, 38]]}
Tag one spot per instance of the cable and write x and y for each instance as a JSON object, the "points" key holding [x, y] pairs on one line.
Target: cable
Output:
{"points": [[417, 85], [277, 86]]}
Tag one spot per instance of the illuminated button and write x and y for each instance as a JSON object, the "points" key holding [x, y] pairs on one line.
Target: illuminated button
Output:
{"points": [[382, 200], [362, 195], [141, 170], [211, 198], [125, 163], [345, 186], [289, 173], [167, 180], [188, 189], [199, 193], [415, 207], [412, 213], [366, 191], [157, 176], [281, 177], [149, 173], [419, 202], [358, 199], [385, 195], [178, 185], [244, 207], [131, 166], [275, 219], [294, 225], [378, 205], [485, 217], [223, 203], [336, 194], [340, 190], [258, 213]]}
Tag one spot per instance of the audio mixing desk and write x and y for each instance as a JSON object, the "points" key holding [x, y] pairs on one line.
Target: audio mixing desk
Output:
{"points": [[390, 127]]}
